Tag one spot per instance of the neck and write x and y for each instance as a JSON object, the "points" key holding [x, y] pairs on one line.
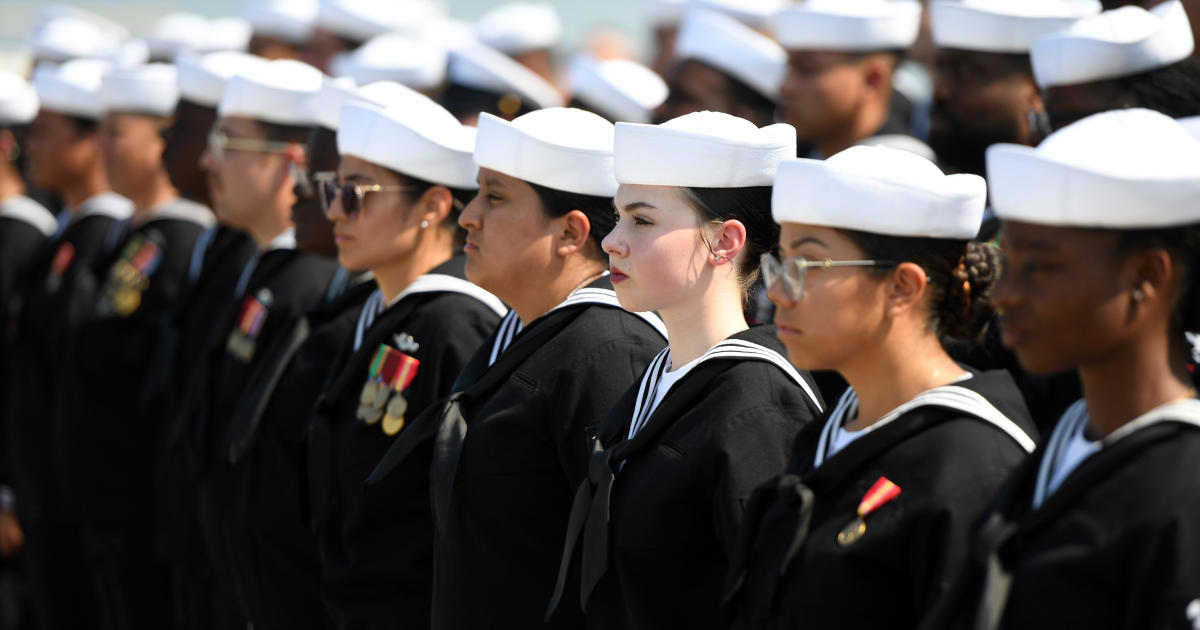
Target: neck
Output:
{"points": [[870, 118], [574, 273], [11, 184], [393, 278], [694, 328], [1132, 381], [152, 197], [893, 371], [269, 226], [83, 188]]}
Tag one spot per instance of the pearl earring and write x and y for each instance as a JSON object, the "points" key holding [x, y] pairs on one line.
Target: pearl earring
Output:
{"points": [[424, 224], [1138, 295]]}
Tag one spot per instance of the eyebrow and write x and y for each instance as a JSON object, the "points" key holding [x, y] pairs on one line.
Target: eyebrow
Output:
{"points": [[637, 205], [806, 240], [1031, 244], [493, 182]]}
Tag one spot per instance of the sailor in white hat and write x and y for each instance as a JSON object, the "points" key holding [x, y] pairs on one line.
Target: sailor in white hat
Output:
{"points": [[985, 92], [61, 33], [694, 222], [1126, 57], [406, 173], [617, 89], [1100, 232], [877, 271], [255, 157], [64, 158], [177, 33], [725, 66], [485, 80], [534, 240], [526, 31], [415, 62], [131, 292], [842, 55], [280, 29]]}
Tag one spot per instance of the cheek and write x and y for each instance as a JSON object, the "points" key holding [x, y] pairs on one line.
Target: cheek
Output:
{"points": [[829, 324]]}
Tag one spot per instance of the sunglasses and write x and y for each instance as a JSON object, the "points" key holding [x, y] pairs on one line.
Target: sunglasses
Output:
{"points": [[219, 143], [793, 270], [351, 195]]}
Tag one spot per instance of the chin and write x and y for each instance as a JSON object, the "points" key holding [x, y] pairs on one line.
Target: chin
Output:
{"points": [[1039, 361], [631, 302]]}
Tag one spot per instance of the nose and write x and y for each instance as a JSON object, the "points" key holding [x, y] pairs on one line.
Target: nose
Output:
{"points": [[613, 244], [207, 162], [470, 217], [777, 295]]}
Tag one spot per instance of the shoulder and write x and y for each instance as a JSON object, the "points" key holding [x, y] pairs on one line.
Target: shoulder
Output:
{"points": [[28, 212]]}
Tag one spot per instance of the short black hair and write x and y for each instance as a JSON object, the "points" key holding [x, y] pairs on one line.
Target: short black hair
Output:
{"points": [[598, 209], [1173, 90], [1183, 245]]}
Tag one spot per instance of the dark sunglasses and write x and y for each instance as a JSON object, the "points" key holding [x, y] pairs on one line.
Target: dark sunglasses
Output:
{"points": [[351, 195]]}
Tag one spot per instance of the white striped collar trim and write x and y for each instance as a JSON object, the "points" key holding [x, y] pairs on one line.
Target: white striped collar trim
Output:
{"points": [[22, 208], [951, 396], [428, 283], [107, 204], [1185, 411], [729, 348]]}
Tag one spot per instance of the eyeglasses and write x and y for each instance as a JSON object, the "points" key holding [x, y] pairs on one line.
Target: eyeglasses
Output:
{"points": [[306, 184], [351, 194], [794, 269], [219, 143]]}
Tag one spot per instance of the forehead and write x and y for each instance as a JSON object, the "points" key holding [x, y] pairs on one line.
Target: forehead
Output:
{"points": [[657, 196], [793, 236], [816, 60], [1018, 236], [697, 78], [240, 126]]}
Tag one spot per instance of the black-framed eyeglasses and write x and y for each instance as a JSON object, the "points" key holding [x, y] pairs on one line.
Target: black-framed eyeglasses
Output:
{"points": [[351, 194], [219, 142], [793, 270]]}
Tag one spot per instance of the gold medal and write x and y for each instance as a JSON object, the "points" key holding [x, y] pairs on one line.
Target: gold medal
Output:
{"points": [[852, 532], [393, 420], [371, 402], [126, 300]]}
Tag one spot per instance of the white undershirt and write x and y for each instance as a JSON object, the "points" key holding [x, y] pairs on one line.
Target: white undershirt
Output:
{"points": [[669, 379], [1077, 449], [843, 437]]}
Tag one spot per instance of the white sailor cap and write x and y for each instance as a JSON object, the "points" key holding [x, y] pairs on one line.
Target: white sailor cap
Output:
{"points": [[617, 89], [733, 48], [704, 149], [1118, 43], [18, 100], [1192, 124], [447, 33], [389, 94], [849, 25], [292, 21], [879, 190], [273, 91], [202, 78], [561, 148], [394, 57], [484, 68], [360, 20], [753, 13], [1003, 26], [420, 139], [325, 106], [72, 88], [519, 27], [175, 33], [152, 89], [65, 38], [1130, 168]]}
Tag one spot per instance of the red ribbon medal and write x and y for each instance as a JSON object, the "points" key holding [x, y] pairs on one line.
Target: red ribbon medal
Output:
{"points": [[879, 494]]}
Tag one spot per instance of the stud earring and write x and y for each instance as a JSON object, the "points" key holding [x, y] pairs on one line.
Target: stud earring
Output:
{"points": [[424, 224], [1138, 295]]}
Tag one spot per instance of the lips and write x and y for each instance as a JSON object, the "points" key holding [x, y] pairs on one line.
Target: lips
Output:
{"points": [[616, 275]]}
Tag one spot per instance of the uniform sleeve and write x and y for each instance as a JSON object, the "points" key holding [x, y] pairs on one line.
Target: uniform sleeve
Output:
{"points": [[751, 448]]}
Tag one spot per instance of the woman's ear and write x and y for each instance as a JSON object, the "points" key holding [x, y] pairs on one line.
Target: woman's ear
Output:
{"points": [[727, 241], [907, 286], [1154, 276], [574, 228], [435, 205]]}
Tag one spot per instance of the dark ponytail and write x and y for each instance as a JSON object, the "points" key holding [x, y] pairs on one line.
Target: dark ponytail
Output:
{"points": [[962, 276], [751, 206]]}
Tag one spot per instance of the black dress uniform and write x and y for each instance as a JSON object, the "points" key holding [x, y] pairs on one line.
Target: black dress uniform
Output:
{"points": [[871, 535], [1115, 545], [218, 259], [53, 547], [376, 541], [668, 485], [275, 288], [513, 446], [105, 438], [274, 552], [25, 229]]}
